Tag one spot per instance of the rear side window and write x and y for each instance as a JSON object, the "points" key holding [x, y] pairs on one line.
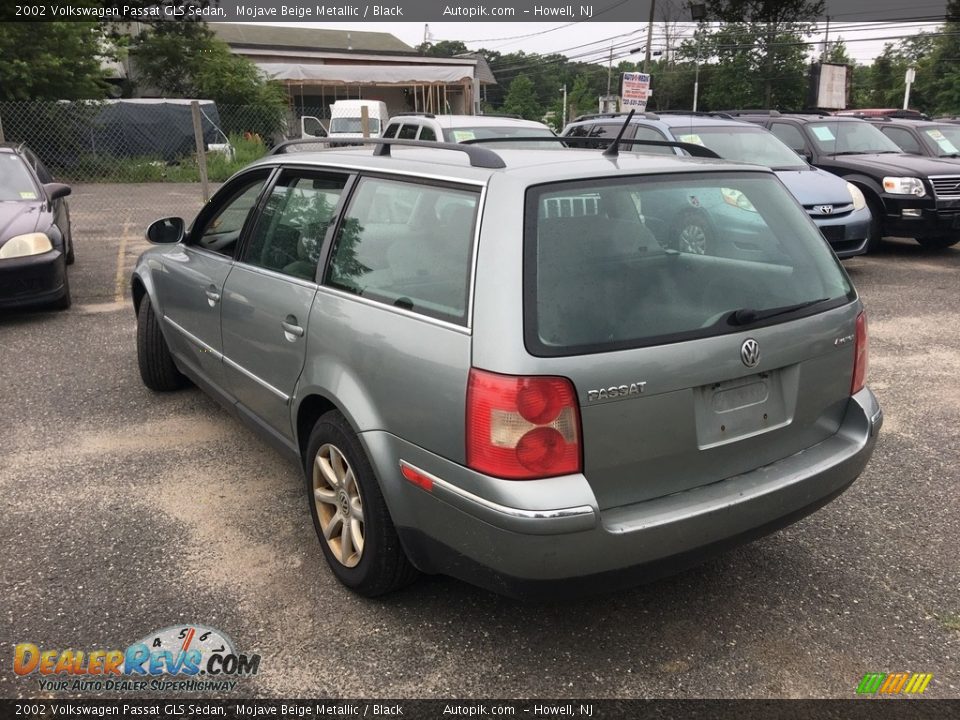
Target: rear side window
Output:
{"points": [[407, 132], [630, 262], [791, 136], [408, 245], [391, 130], [427, 133]]}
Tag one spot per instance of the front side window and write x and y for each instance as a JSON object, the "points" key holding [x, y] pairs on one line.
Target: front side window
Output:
{"points": [[221, 232], [289, 235], [790, 135], [408, 132], [628, 262], [408, 245]]}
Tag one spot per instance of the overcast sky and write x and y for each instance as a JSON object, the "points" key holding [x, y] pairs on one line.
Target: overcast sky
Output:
{"points": [[591, 41]]}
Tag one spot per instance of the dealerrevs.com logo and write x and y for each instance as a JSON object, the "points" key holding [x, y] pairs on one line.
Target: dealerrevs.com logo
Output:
{"points": [[179, 658]]}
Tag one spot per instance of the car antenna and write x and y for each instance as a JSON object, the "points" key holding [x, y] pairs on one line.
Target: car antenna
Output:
{"points": [[613, 150]]}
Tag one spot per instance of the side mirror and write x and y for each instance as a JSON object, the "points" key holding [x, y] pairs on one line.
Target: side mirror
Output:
{"points": [[56, 191], [166, 231]]}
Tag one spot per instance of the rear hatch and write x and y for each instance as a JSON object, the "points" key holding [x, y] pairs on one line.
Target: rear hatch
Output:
{"points": [[705, 326]]}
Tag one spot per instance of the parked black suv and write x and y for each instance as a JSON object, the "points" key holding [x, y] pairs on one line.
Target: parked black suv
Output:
{"points": [[931, 138], [909, 196]]}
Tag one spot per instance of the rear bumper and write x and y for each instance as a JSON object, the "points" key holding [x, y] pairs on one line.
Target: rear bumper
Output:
{"points": [[32, 280], [540, 550]]}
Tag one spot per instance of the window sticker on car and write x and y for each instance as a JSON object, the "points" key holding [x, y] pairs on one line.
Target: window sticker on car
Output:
{"points": [[823, 133], [461, 135], [941, 140], [27, 195], [695, 139]]}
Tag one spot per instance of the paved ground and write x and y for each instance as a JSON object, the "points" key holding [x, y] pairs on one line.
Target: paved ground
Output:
{"points": [[126, 511]]}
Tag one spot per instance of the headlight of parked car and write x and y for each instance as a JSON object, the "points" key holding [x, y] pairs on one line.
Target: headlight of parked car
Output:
{"points": [[23, 245], [737, 199], [904, 186], [859, 201]]}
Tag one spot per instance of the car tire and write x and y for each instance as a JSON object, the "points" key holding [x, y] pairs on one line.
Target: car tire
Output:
{"points": [[693, 234], [937, 243], [157, 369], [64, 301], [349, 513], [875, 234]]}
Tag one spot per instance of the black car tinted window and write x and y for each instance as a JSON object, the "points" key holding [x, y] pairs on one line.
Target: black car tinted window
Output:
{"points": [[16, 183]]}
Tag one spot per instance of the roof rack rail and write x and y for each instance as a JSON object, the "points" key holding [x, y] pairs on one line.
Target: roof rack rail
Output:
{"points": [[751, 111], [699, 113], [595, 116], [514, 116], [416, 114], [693, 149], [479, 157]]}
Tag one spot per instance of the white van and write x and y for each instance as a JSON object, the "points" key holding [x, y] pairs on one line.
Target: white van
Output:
{"points": [[345, 118]]}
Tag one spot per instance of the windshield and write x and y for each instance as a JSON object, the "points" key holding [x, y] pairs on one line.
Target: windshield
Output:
{"points": [[632, 261], [352, 125], [16, 182], [944, 140], [851, 137], [466, 132], [748, 144]]}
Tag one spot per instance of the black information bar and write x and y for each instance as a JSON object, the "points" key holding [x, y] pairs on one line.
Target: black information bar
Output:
{"points": [[854, 709], [557, 11]]}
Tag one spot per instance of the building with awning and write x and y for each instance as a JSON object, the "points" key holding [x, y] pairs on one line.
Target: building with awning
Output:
{"points": [[321, 66]]}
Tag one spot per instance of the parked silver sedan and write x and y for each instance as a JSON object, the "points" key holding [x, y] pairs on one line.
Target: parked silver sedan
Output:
{"points": [[490, 363]]}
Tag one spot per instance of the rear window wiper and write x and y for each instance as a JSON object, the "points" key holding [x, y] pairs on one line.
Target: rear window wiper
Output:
{"points": [[748, 316]]}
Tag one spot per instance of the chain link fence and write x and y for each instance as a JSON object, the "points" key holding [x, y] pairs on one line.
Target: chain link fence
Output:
{"points": [[145, 141]]}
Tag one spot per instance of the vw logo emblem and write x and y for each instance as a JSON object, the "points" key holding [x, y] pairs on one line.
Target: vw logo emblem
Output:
{"points": [[750, 352], [825, 209]]}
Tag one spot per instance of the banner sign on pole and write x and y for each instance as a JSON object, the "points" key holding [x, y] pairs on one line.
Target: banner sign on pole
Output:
{"points": [[635, 91]]}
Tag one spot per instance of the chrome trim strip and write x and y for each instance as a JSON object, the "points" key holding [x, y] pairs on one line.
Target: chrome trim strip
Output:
{"points": [[239, 368], [394, 309], [481, 206], [193, 338], [256, 269], [579, 511]]}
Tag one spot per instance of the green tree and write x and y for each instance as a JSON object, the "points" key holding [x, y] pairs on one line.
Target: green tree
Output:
{"points": [[185, 59], [582, 98], [522, 100], [51, 61], [764, 38], [444, 48]]}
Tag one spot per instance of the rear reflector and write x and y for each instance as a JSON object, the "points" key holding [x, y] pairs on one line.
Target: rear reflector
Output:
{"points": [[417, 478], [522, 428], [860, 352]]}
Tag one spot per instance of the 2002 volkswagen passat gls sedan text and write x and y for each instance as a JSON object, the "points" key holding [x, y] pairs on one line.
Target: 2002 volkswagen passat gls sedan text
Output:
{"points": [[494, 365]]}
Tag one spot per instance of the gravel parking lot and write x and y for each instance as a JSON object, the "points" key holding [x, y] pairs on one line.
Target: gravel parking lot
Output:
{"points": [[126, 511]]}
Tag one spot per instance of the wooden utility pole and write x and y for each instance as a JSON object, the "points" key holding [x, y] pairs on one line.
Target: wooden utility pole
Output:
{"points": [[201, 149], [646, 56]]}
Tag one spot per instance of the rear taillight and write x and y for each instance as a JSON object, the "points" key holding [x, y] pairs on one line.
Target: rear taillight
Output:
{"points": [[522, 428], [860, 352]]}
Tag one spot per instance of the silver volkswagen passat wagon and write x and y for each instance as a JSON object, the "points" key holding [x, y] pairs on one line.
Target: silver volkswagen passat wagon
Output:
{"points": [[495, 364]]}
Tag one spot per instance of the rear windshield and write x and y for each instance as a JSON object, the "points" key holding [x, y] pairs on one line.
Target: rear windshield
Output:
{"points": [[353, 125], [635, 261], [744, 144], [851, 137], [15, 180]]}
